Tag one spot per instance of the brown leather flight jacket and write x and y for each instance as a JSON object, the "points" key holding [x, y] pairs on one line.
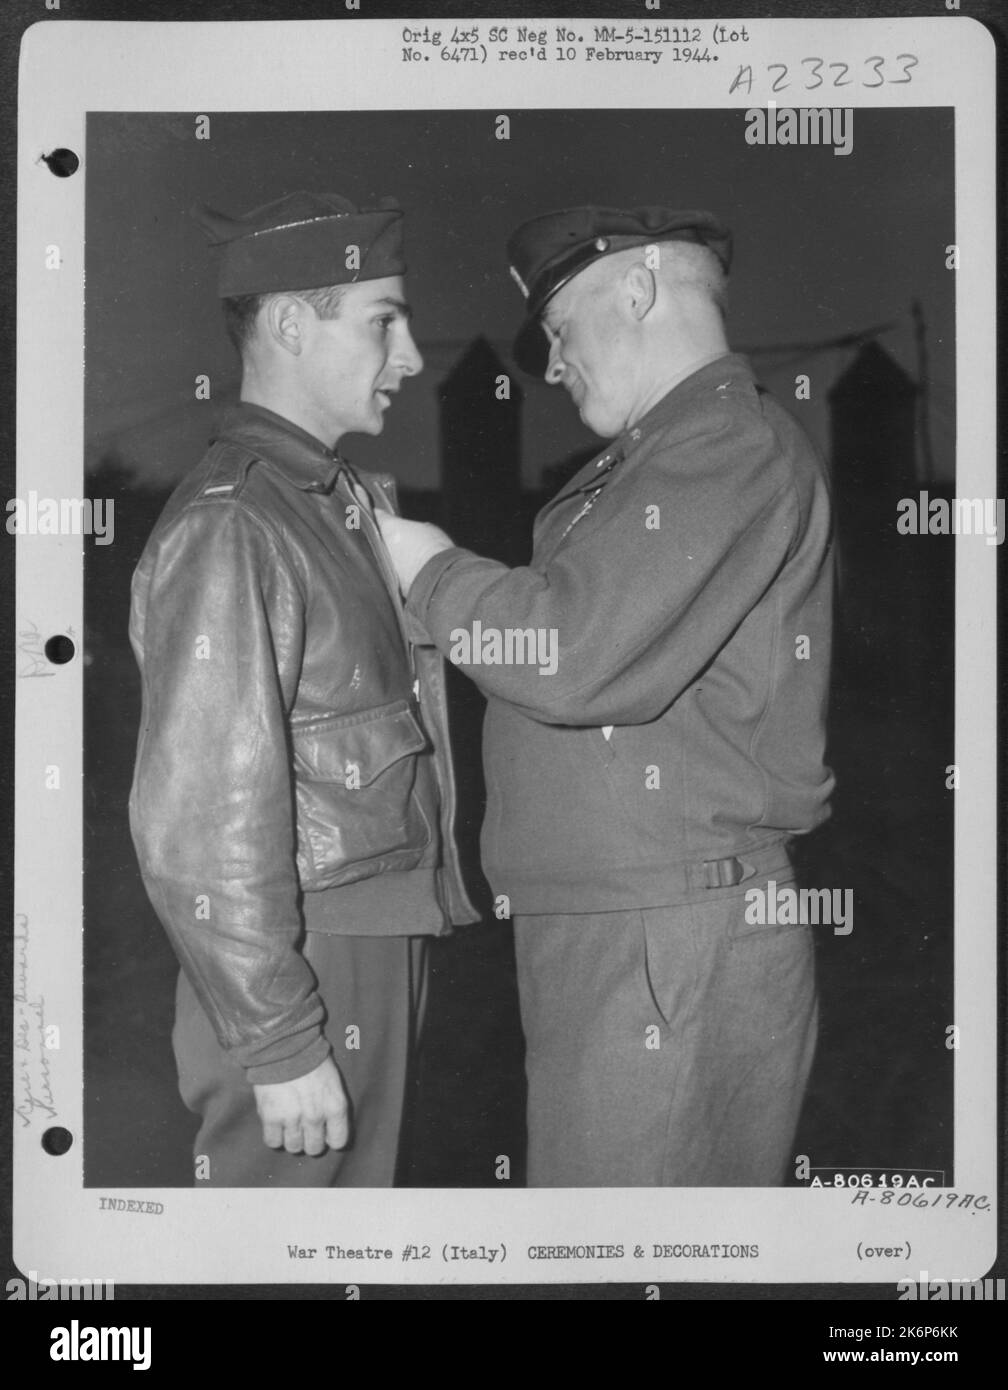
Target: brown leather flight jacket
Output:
{"points": [[293, 764]]}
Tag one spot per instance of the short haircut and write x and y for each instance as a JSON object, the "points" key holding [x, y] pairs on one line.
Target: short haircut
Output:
{"points": [[240, 310], [696, 265]]}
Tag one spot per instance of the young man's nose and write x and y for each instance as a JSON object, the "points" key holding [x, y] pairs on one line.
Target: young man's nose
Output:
{"points": [[407, 355]]}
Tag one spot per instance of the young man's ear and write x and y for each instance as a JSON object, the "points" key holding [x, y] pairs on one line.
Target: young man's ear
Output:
{"points": [[641, 288], [283, 322]]}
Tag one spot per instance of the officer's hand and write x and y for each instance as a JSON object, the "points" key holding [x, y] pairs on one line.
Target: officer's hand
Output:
{"points": [[307, 1114], [411, 544]]}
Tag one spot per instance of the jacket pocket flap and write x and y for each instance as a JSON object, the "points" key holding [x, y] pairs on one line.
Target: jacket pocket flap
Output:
{"points": [[333, 750]]}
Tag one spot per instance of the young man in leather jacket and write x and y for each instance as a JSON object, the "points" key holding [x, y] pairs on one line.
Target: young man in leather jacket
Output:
{"points": [[293, 799]]}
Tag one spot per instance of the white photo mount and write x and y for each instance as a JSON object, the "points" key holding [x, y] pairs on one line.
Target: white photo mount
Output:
{"points": [[63, 1229]]}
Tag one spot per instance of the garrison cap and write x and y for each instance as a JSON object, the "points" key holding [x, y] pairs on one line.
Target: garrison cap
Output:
{"points": [[549, 251], [301, 242]]}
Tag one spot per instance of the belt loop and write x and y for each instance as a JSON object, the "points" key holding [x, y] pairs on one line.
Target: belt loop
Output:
{"points": [[711, 873], [724, 873], [731, 871]]}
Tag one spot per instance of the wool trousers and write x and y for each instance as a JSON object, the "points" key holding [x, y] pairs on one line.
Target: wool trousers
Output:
{"points": [[666, 1046], [372, 983]]}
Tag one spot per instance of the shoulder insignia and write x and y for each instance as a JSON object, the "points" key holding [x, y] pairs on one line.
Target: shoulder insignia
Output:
{"points": [[229, 464]]}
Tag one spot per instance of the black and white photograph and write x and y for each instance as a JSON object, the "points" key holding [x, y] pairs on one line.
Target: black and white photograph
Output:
{"points": [[598, 998], [527, 720]]}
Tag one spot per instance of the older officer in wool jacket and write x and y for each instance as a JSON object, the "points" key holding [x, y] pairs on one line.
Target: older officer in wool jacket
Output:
{"points": [[639, 793], [293, 801]]}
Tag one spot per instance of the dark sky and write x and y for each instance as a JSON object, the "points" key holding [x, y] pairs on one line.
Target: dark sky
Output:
{"points": [[824, 245]]}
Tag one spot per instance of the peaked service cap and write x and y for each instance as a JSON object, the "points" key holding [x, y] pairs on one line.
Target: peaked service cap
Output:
{"points": [[548, 251], [300, 242]]}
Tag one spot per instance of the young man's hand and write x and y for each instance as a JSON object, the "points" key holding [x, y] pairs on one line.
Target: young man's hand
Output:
{"points": [[306, 1115], [410, 545]]}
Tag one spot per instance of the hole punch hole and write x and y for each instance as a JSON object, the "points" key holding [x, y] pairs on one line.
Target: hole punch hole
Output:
{"points": [[59, 650], [62, 163], [56, 1140]]}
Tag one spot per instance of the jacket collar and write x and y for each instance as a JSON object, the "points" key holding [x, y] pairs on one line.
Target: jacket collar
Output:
{"points": [[299, 456], [724, 371], [727, 370]]}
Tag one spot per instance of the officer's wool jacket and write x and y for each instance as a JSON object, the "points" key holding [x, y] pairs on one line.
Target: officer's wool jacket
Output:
{"points": [[687, 573], [293, 767]]}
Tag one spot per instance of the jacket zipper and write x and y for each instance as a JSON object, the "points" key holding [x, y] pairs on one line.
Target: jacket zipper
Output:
{"points": [[388, 574]]}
